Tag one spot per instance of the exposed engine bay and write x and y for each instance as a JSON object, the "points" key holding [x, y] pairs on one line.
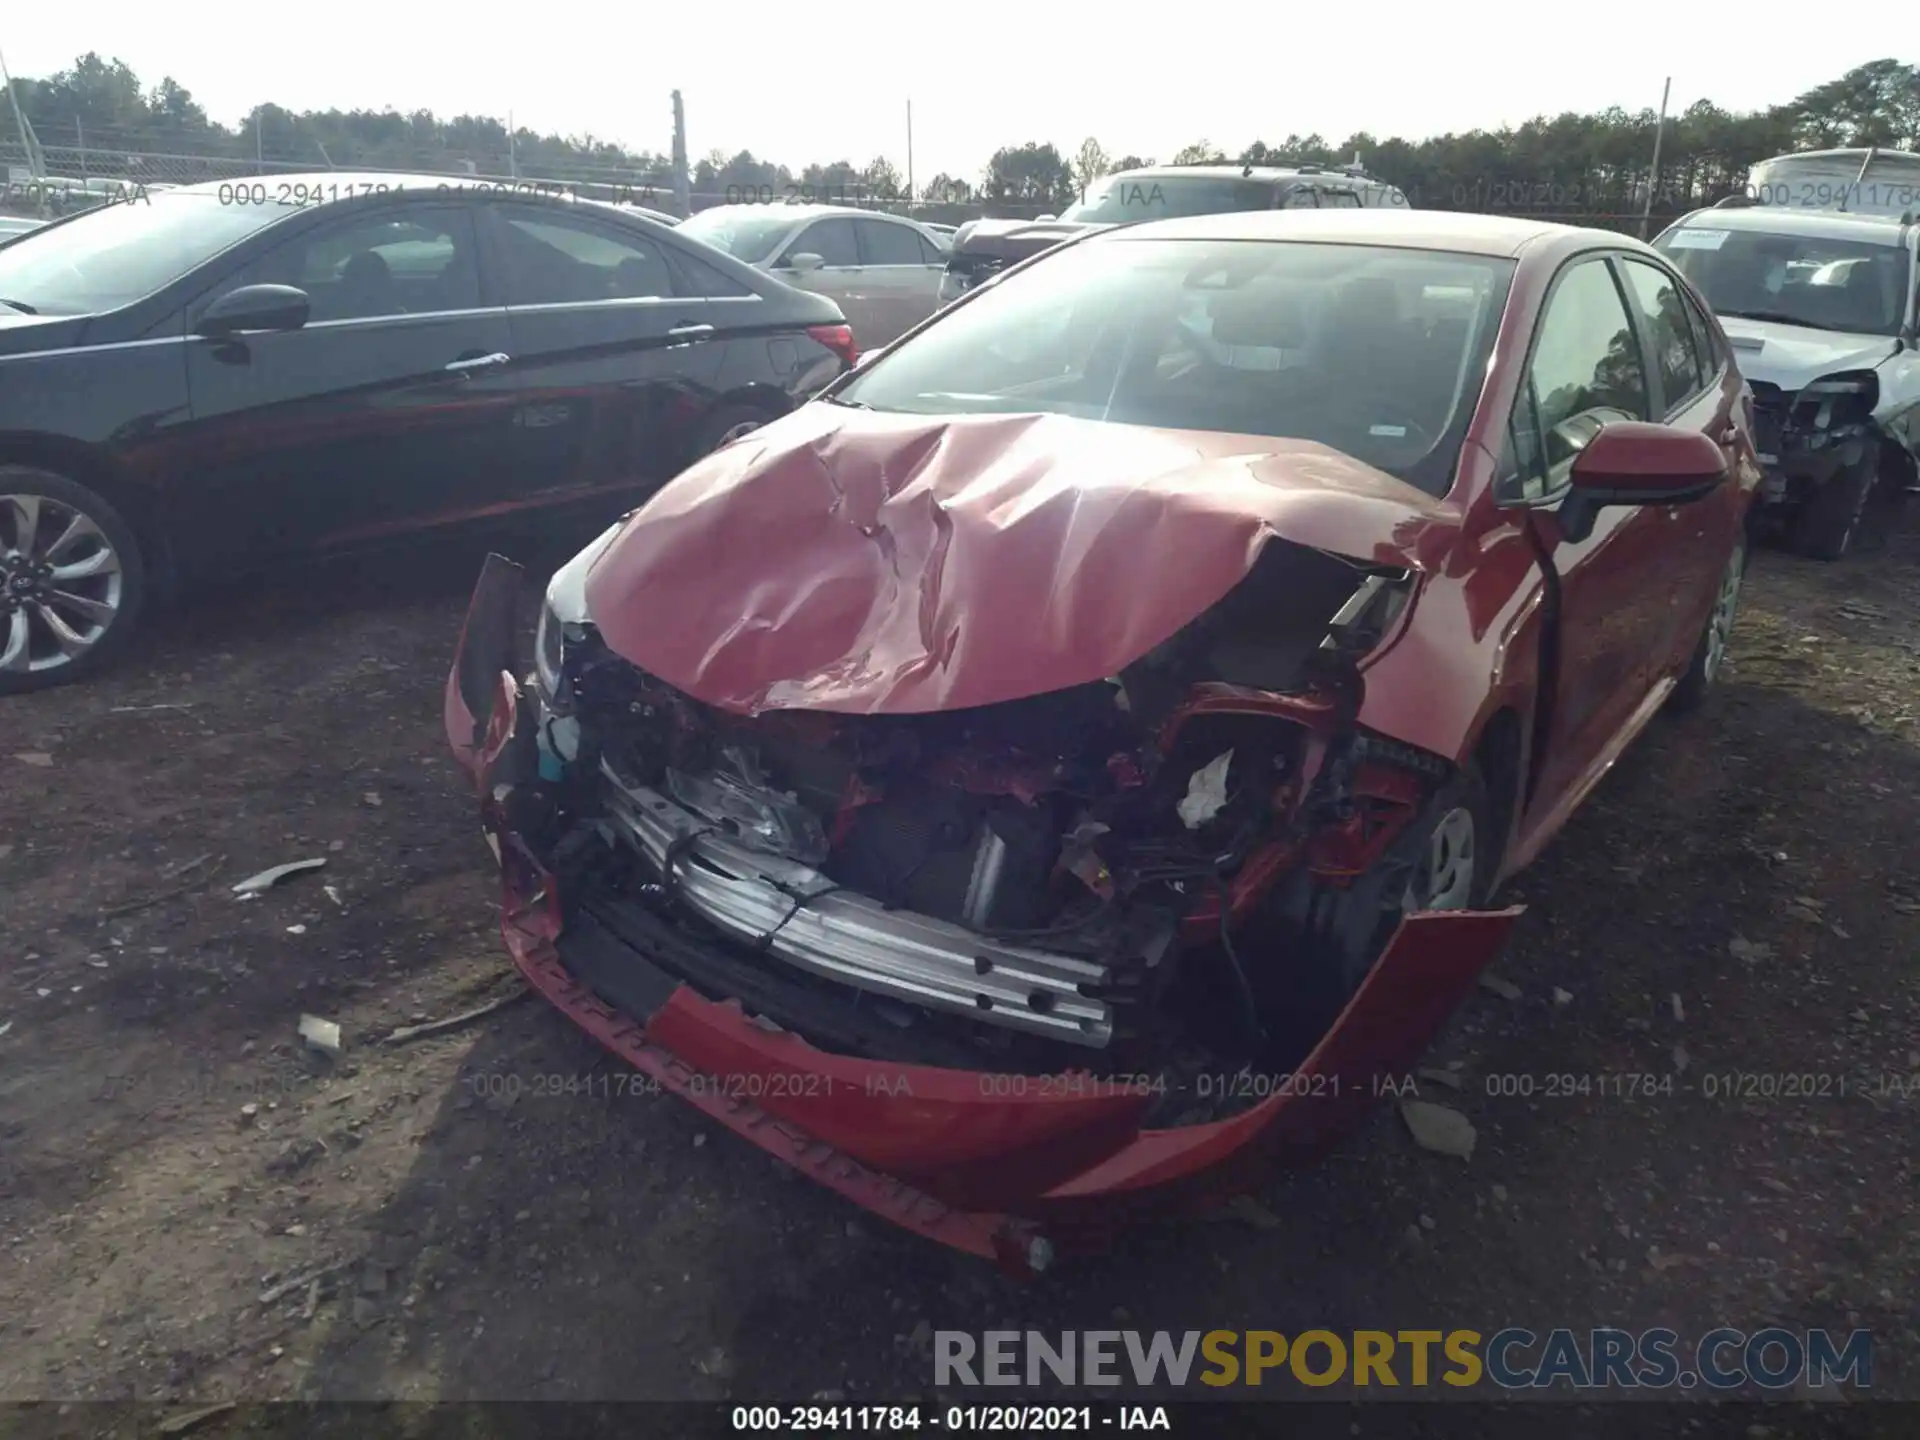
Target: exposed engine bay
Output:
{"points": [[1190, 864]]}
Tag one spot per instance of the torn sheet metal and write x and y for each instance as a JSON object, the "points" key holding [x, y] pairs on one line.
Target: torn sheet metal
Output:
{"points": [[867, 563]]}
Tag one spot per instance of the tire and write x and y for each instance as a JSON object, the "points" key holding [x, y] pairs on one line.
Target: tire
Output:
{"points": [[55, 630], [1824, 528], [724, 425], [1348, 930], [1710, 652]]}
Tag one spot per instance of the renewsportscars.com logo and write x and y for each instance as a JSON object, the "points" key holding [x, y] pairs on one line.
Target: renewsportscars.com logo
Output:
{"points": [[1726, 1359]]}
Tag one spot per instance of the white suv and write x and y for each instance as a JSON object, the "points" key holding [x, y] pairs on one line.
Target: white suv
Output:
{"points": [[1820, 307]]}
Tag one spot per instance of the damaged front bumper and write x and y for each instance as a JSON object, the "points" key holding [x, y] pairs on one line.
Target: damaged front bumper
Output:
{"points": [[1013, 1167], [1809, 438]]}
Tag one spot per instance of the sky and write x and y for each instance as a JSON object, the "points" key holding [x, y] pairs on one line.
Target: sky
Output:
{"points": [[797, 84]]}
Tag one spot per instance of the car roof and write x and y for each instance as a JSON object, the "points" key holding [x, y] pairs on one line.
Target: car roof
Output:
{"points": [[1457, 231], [1270, 174], [1796, 220], [789, 211]]}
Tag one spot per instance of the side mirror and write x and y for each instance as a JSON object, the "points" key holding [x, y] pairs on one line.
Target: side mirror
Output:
{"points": [[254, 307], [1632, 462], [866, 357], [806, 260]]}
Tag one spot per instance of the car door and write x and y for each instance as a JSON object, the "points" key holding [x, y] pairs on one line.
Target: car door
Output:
{"points": [[613, 362], [1609, 599], [1686, 372], [374, 416], [840, 276], [902, 271]]}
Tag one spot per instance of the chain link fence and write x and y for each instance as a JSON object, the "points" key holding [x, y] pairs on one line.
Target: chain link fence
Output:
{"points": [[78, 176]]}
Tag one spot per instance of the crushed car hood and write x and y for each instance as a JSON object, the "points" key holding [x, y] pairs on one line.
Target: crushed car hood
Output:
{"points": [[1793, 356], [866, 563]]}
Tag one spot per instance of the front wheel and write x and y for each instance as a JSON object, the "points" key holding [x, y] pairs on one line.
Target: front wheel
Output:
{"points": [[1827, 522], [71, 580], [1711, 651]]}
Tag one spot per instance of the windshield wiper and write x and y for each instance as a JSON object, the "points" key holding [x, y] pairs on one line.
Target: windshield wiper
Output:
{"points": [[1780, 317], [850, 404], [20, 305]]}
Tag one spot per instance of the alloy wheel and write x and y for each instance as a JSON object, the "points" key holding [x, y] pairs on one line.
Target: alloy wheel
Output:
{"points": [[61, 584], [1726, 606], [734, 432]]}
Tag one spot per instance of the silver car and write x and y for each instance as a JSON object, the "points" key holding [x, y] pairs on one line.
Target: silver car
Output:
{"points": [[884, 270], [1823, 312]]}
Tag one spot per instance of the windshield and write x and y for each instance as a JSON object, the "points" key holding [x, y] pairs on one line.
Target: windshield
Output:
{"points": [[1858, 286], [1124, 199], [749, 235], [124, 251], [1374, 351]]}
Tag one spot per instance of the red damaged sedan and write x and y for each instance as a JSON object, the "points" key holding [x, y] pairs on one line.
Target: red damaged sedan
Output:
{"points": [[1061, 770]]}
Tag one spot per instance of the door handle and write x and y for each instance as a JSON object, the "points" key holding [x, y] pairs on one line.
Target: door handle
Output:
{"points": [[687, 334], [473, 364]]}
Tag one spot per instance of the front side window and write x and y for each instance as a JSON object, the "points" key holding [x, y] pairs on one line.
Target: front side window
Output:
{"points": [[1856, 286], [1664, 312], [126, 250], [408, 263], [555, 258], [1586, 370], [832, 240], [1374, 351]]}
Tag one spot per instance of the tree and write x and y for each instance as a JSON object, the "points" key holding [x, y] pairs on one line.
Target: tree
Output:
{"points": [[1089, 164], [1030, 174], [943, 189], [1873, 104], [881, 180], [1592, 167], [1203, 153]]}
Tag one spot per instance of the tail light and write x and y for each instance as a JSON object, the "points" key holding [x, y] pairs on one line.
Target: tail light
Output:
{"points": [[838, 339]]}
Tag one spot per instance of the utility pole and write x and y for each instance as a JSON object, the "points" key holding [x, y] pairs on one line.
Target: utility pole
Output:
{"points": [[36, 161], [80, 140], [513, 150], [1653, 176], [682, 182], [259, 145], [912, 194]]}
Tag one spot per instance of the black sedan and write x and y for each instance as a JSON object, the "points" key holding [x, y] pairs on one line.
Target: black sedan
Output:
{"points": [[202, 380]]}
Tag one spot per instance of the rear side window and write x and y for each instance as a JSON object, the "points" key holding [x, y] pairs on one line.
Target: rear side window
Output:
{"points": [[555, 257], [885, 244], [1664, 309], [1706, 345], [699, 278]]}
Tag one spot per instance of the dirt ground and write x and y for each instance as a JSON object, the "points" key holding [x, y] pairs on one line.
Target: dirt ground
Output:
{"points": [[1741, 896]]}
